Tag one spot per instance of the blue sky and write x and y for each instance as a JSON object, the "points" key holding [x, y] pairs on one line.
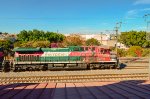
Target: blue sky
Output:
{"points": [[72, 16]]}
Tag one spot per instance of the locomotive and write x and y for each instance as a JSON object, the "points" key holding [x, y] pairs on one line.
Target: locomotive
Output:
{"points": [[72, 57]]}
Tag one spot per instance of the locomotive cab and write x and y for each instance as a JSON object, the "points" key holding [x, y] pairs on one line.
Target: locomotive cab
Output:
{"points": [[99, 57]]}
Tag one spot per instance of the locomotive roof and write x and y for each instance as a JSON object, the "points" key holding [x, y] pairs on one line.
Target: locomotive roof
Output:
{"points": [[54, 49], [17, 49], [70, 48]]}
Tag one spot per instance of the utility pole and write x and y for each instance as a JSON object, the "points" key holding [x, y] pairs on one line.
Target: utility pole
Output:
{"points": [[110, 33], [57, 31], [118, 26], [101, 37], [147, 36], [147, 26]]}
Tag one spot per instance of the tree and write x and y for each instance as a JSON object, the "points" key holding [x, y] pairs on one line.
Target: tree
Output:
{"points": [[134, 38], [73, 40], [121, 52], [42, 44], [23, 36], [17, 44], [7, 46], [34, 37], [92, 42]]}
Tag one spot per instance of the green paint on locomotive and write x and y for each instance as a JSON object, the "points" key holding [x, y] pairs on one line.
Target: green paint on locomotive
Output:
{"points": [[57, 59], [48, 54], [49, 59], [59, 54]]}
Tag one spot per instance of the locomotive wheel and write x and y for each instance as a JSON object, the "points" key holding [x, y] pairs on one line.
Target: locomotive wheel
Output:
{"points": [[6, 66], [92, 66], [111, 67], [19, 69], [37, 69], [88, 66], [115, 67], [30, 69], [44, 68], [102, 67]]}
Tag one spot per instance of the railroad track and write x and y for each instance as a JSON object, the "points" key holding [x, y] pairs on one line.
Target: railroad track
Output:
{"points": [[134, 65], [86, 76], [134, 59]]}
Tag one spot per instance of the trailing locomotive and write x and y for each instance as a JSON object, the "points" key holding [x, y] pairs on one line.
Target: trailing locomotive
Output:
{"points": [[73, 57]]}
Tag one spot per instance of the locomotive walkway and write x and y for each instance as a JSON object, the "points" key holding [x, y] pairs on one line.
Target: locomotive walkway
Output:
{"points": [[93, 90]]}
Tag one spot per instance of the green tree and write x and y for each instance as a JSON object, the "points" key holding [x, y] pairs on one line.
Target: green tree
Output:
{"points": [[7, 46], [36, 35], [92, 42], [121, 52], [17, 44], [28, 38], [23, 36], [134, 38]]}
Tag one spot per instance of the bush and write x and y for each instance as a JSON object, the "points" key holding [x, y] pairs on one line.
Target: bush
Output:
{"points": [[33, 44], [121, 52], [43, 44], [135, 51], [92, 42], [146, 52]]}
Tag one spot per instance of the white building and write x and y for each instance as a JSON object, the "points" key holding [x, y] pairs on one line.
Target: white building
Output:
{"points": [[104, 39]]}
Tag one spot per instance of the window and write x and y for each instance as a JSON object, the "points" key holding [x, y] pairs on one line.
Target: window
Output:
{"points": [[82, 48], [93, 48], [86, 49], [76, 49]]}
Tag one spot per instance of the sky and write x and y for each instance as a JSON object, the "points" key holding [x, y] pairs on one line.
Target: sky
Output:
{"points": [[73, 16]]}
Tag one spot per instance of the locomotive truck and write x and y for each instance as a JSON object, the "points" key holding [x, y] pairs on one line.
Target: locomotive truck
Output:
{"points": [[72, 57]]}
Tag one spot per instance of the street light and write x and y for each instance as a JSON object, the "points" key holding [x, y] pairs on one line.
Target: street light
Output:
{"points": [[101, 37]]}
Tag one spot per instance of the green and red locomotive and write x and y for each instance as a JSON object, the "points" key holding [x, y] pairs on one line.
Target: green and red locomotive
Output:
{"points": [[73, 57]]}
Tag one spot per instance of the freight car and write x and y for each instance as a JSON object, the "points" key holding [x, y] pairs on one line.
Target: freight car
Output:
{"points": [[73, 57]]}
